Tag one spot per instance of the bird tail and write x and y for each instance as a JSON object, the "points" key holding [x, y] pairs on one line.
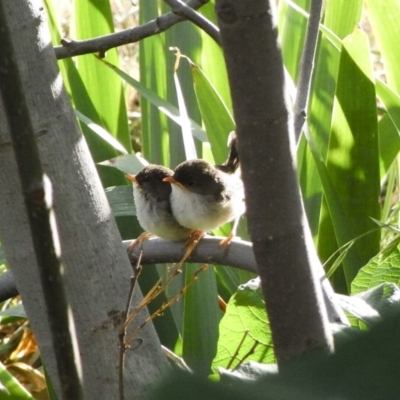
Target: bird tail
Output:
{"points": [[232, 163]]}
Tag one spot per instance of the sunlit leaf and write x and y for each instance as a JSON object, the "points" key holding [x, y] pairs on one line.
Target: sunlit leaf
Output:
{"points": [[129, 164], [216, 116], [244, 326], [384, 17], [379, 270], [187, 138], [168, 109], [353, 156], [93, 18], [106, 136], [10, 388]]}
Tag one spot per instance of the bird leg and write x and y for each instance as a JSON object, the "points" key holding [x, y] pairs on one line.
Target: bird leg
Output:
{"points": [[191, 244], [139, 241], [227, 241]]}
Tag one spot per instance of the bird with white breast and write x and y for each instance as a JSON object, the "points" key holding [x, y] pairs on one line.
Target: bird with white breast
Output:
{"points": [[206, 196], [153, 209]]}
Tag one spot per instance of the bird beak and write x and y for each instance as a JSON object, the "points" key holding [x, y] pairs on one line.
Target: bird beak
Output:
{"points": [[132, 178], [170, 179]]}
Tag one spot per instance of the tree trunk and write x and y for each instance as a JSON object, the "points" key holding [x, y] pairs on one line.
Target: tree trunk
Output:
{"points": [[283, 248], [97, 270]]}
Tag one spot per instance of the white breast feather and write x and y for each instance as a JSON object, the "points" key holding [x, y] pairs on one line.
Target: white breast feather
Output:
{"points": [[192, 211]]}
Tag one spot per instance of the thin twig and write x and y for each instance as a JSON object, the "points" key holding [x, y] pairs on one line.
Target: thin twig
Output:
{"points": [[101, 44], [157, 289], [248, 354], [181, 9], [246, 332], [306, 66], [153, 293], [166, 304], [122, 334]]}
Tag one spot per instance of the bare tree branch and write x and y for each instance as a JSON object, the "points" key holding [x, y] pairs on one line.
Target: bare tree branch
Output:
{"points": [[183, 10], [38, 194], [239, 254], [306, 66], [103, 43]]}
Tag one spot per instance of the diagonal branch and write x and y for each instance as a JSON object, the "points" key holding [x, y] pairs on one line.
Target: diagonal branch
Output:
{"points": [[306, 66], [180, 8], [103, 43]]}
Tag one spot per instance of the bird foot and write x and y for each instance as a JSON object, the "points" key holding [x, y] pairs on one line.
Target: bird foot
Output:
{"points": [[194, 238], [191, 244], [227, 241], [139, 241]]}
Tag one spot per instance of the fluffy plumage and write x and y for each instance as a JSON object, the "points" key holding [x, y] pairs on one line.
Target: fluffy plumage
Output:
{"points": [[152, 200], [205, 196]]}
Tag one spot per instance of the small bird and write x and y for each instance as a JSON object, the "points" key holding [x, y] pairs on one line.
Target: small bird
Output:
{"points": [[205, 196], [152, 200]]}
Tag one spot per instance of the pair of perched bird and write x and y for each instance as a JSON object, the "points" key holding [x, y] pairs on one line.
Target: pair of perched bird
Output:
{"points": [[195, 198]]}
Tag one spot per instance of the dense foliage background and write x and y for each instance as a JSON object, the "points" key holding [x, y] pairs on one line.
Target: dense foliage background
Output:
{"points": [[347, 162]]}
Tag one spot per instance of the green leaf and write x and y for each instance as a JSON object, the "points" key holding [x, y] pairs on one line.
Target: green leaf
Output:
{"points": [[93, 18], [128, 164], [152, 63], [121, 201], [215, 114], [389, 131], [10, 388], [187, 138], [212, 58], [384, 17], [292, 31], [381, 269], [12, 314], [343, 229], [340, 19], [187, 38], [201, 319], [244, 324], [101, 132], [353, 157], [389, 143], [229, 279], [164, 106], [390, 101]]}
